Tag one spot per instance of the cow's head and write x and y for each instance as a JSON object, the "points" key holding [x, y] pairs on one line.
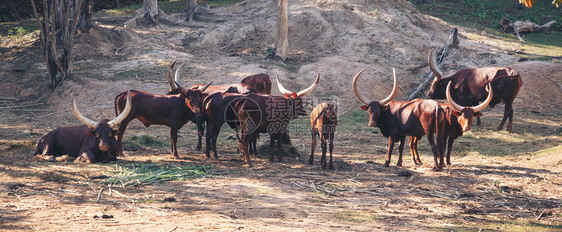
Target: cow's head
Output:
{"points": [[374, 107], [103, 130], [439, 85], [466, 114], [296, 97], [192, 96]]}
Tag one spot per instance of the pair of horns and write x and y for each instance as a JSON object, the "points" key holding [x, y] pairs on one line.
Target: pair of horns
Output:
{"points": [[112, 123], [301, 93], [381, 102], [477, 108], [174, 84]]}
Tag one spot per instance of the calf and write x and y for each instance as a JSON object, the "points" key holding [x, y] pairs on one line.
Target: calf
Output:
{"points": [[459, 119], [398, 119], [264, 113], [94, 141], [323, 121], [173, 111]]}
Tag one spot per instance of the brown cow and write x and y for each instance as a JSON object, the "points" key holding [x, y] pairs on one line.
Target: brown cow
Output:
{"points": [[199, 118], [323, 121], [459, 119], [261, 82], [94, 141], [470, 84], [264, 113], [173, 111], [398, 119]]}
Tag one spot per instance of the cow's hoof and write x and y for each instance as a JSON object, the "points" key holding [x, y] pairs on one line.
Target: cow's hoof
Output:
{"points": [[386, 164], [52, 158]]}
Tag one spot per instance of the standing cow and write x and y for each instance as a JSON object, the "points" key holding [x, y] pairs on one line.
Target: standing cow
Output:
{"points": [[261, 82], [264, 113], [173, 111], [398, 119], [470, 84], [459, 120], [323, 121], [94, 141]]}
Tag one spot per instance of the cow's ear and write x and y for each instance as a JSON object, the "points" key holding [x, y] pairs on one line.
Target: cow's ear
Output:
{"points": [[477, 114], [456, 113], [294, 95], [364, 107], [91, 133]]}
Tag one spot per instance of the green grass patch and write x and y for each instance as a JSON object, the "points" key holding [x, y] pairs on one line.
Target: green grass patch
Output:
{"points": [[136, 143], [484, 15], [150, 174]]}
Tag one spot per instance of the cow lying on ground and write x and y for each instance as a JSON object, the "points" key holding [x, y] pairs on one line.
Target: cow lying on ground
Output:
{"points": [[398, 119], [459, 120], [173, 111], [264, 113], [93, 142], [469, 86], [323, 121]]}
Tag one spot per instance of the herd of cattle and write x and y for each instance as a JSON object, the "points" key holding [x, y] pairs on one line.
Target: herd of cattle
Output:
{"points": [[251, 109]]}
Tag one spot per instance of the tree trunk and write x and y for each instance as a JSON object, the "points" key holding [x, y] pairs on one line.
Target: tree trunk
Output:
{"points": [[282, 30], [190, 9], [150, 8]]}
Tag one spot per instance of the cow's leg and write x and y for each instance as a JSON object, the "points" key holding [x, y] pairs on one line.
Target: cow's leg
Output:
{"points": [[48, 149], [312, 147], [324, 149], [390, 147], [271, 147], [435, 149], [279, 147], [200, 131], [331, 139], [243, 146], [477, 121], [87, 157], [413, 142], [400, 150], [449, 149], [508, 113], [120, 133], [174, 140], [208, 144]]}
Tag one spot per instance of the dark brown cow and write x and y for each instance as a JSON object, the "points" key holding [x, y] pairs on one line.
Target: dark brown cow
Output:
{"points": [[264, 113], [227, 88], [459, 119], [173, 111], [323, 121], [398, 119], [261, 82], [92, 142], [470, 84]]}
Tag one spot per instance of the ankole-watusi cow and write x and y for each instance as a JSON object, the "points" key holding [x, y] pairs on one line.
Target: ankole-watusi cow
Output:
{"points": [[398, 119], [323, 122], [94, 141], [260, 82], [173, 110], [264, 113], [469, 87], [199, 118], [459, 120]]}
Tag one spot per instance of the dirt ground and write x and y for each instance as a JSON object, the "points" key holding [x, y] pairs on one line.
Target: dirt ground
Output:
{"points": [[516, 186]]}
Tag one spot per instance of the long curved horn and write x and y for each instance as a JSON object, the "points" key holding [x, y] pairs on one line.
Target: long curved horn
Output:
{"points": [[483, 105], [90, 123], [281, 88], [173, 87], [453, 103], [206, 86], [394, 90], [431, 60], [178, 73], [477, 108], [310, 88], [114, 122], [354, 86]]}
